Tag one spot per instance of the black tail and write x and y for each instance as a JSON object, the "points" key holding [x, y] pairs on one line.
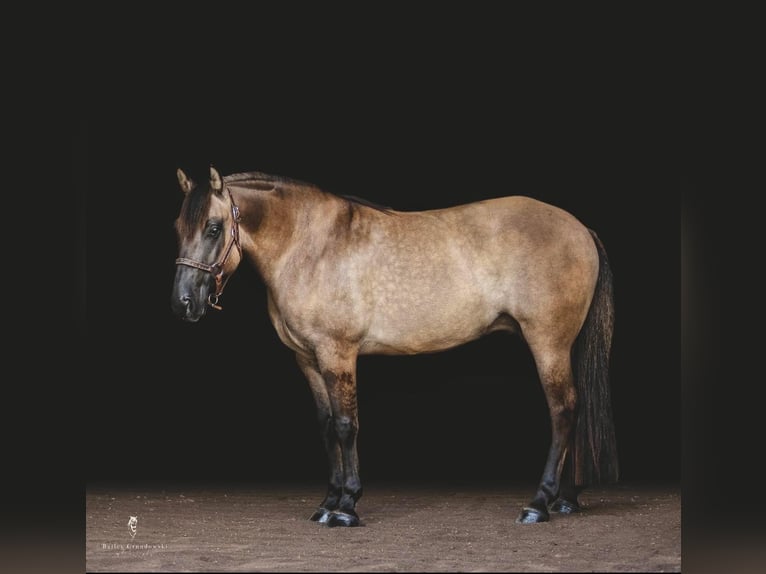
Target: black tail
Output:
{"points": [[594, 445]]}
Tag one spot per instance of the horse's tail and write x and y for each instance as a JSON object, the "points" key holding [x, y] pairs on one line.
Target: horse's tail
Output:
{"points": [[594, 445]]}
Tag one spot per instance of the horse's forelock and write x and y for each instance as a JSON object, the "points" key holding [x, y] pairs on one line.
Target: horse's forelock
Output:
{"points": [[194, 211]]}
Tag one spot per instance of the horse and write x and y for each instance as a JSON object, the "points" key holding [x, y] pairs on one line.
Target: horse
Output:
{"points": [[346, 277]]}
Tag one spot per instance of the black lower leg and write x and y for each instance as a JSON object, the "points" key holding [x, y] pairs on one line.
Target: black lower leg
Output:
{"points": [[548, 490], [567, 503], [330, 503], [349, 499], [346, 515], [537, 510], [332, 500]]}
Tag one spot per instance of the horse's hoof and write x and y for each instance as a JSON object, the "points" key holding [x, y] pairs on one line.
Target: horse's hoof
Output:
{"points": [[338, 518], [532, 516], [564, 506], [321, 516]]}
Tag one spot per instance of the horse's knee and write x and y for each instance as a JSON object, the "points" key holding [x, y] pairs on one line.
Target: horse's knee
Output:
{"points": [[346, 427]]}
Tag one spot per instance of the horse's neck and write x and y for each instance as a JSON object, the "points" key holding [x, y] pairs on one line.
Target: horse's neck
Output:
{"points": [[279, 228]]}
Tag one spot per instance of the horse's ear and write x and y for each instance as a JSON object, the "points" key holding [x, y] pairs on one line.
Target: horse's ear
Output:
{"points": [[216, 184], [185, 183]]}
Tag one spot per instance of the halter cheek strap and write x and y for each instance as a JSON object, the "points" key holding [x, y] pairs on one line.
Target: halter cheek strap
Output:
{"points": [[216, 269]]}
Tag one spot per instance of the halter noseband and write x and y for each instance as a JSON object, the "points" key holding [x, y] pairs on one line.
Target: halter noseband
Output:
{"points": [[216, 269]]}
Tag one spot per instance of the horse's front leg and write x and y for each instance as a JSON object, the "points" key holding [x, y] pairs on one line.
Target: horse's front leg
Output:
{"points": [[337, 370], [329, 439]]}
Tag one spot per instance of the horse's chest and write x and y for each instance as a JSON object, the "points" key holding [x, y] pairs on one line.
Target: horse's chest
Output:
{"points": [[302, 322]]}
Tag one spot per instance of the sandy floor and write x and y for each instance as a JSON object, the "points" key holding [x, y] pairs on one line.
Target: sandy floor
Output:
{"points": [[405, 528]]}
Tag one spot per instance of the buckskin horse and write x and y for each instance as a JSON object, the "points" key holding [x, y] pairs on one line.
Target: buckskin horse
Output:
{"points": [[345, 277]]}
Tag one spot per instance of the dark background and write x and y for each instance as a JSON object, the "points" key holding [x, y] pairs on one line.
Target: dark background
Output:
{"points": [[414, 111]]}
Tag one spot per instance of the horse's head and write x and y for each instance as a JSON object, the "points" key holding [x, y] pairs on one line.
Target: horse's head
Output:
{"points": [[208, 231]]}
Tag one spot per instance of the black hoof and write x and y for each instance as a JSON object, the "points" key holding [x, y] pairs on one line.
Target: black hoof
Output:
{"points": [[564, 506], [322, 515], [338, 518], [532, 516]]}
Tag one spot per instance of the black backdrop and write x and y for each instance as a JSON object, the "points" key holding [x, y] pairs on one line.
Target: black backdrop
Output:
{"points": [[468, 110]]}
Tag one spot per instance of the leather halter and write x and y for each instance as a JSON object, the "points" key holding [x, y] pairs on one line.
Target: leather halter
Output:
{"points": [[216, 269]]}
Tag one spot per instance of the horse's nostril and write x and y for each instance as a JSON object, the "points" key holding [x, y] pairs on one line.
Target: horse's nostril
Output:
{"points": [[183, 305]]}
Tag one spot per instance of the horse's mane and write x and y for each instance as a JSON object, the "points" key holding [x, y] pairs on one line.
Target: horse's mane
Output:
{"points": [[360, 201], [256, 177]]}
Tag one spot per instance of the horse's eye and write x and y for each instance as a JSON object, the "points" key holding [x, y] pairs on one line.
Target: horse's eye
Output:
{"points": [[214, 231]]}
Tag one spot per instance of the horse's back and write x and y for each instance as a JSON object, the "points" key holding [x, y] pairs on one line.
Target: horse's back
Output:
{"points": [[506, 244], [446, 276], [514, 221]]}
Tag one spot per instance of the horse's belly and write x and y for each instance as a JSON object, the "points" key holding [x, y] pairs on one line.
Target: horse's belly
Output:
{"points": [[421, 329]]}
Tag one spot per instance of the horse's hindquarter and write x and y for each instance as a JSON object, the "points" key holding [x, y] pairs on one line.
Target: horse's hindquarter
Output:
{"points": [[441, 278]]}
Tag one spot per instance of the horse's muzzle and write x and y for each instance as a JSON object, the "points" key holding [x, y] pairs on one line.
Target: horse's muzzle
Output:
{"points": [[185, 308]]}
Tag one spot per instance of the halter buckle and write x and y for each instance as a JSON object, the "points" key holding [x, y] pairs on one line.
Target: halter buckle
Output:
{"points": [[212, 300]]}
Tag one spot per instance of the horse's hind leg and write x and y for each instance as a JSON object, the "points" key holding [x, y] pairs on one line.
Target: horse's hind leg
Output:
{"points": [[566, 503], [555, 372]]}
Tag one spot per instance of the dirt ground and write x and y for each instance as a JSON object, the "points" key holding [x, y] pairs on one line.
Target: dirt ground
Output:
{"points": [[265, 528]]}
